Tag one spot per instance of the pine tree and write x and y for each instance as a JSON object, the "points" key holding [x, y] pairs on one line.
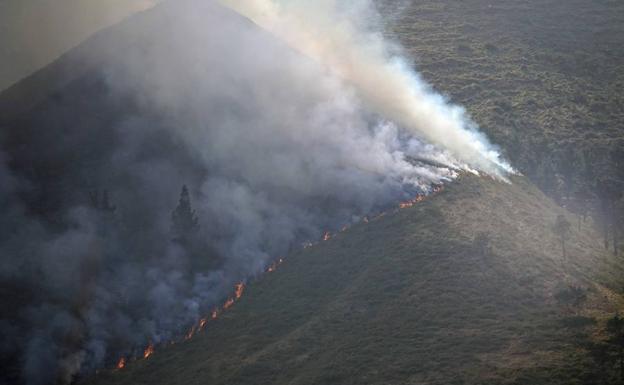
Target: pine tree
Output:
{"points": [[184, 221], [562, 228], [106, 204], [481, 244], [615, 327], [609, 193], [102, 204]]}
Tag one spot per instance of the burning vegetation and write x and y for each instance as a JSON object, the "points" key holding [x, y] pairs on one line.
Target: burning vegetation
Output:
{"points": [[121, 363], [239, 288], [149, 350]]}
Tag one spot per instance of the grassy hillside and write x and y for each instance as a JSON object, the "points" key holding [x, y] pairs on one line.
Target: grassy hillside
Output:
{"points": [[463, 288], [542, 78], [409, 298]]}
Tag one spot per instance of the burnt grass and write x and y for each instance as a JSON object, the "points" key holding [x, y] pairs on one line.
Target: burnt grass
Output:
{"points": [[408, 299]]}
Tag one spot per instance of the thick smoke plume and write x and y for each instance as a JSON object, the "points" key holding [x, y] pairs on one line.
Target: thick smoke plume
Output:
{"points": [[345, 38], [275, 144]]}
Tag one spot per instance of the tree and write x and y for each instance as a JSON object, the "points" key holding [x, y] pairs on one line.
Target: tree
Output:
{"points": [[184, 221], [615, 328], [562, 229], [568, 167], [106, 204], [600, 353], [572, 297], [481, 244], [548, 179], [101, 202], [584, 197], [609, 193]]}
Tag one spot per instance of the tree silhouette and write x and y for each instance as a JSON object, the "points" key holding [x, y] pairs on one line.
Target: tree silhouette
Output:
{"points": [[609, 193], [481, 244], [615, 328], [184, 221], [571, 297], [102, 201], [103, 206], [562, 229], [106, 204]]}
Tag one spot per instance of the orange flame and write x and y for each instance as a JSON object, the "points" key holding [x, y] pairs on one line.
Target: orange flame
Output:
{"points": [[411, 202], [149, 350], [228, 303], [272, 267], [190, 333], [240, 287]]}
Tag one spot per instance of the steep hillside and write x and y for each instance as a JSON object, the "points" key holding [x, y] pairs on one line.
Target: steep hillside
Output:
{"points": [[160, 162], [542, 78], [411, 298], [467, 287]]}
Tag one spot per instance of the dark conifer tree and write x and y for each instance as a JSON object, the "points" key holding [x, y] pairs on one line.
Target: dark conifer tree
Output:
{"points": [[481, 244], [106, 204], [184, 221], [562, 228], [615, 328], [609, 193]]}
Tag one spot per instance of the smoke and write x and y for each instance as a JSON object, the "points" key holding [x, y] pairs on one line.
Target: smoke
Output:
{"points": [[346, 39], [276, 146]]}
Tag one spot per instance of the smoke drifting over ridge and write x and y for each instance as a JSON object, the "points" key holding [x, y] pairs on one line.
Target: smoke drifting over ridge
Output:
{"points": [[344, 38], [275, 146]]}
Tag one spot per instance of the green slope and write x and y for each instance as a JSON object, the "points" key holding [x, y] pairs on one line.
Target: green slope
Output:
{"points": [[408, 299], [543, 78]]}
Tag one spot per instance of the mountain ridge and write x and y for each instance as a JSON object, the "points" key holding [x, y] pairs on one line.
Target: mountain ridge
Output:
{"points": [[460, 288]]}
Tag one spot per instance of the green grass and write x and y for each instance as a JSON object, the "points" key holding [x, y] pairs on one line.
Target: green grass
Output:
{"points": [[405, 300]]}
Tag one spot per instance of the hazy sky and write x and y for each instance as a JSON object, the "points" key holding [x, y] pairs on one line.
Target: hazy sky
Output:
{"points": [[35, 32]]}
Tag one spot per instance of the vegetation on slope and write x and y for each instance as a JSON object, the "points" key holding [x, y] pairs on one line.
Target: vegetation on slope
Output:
{"points": [[419, 296], [542, 78]]}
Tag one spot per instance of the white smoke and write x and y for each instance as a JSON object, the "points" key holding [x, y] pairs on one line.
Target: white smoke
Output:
{"points": [[344, 37], [276, 147]]}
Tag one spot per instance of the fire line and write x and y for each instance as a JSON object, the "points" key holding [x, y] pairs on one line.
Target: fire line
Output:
{"points": [[239, 288]]}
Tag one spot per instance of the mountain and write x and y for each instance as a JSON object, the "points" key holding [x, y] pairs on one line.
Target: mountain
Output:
{"points": [[469, 286], [187, 108], [34, 34], [409, 298]]}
